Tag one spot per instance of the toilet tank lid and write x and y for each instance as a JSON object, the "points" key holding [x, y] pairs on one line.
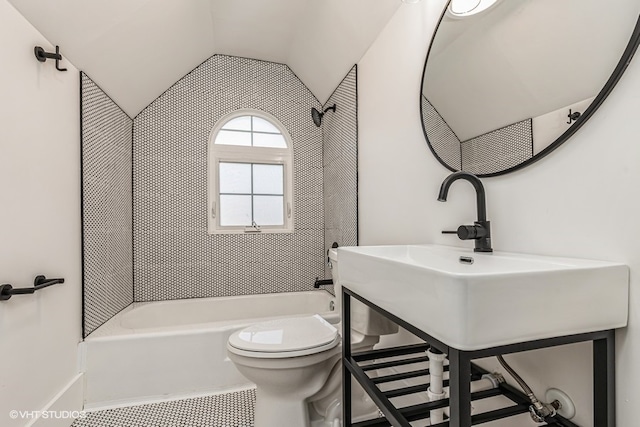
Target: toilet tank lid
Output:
{"points": [[281, 335]]}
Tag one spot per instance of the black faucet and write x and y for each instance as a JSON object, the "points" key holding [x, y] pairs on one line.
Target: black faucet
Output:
{"points": [[480, 231]]}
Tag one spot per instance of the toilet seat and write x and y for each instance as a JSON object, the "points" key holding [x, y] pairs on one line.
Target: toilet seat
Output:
{"points": [[281, 338]]}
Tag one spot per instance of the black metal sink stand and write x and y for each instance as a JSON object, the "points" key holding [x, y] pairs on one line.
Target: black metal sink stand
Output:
{"points": [[461, 372]]}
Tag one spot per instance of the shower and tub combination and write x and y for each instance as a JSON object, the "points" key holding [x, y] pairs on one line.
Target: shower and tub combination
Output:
{"points": [[154, 235]]}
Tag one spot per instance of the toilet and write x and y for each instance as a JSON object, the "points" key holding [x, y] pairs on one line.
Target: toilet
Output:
{"points": [[295, 364]]}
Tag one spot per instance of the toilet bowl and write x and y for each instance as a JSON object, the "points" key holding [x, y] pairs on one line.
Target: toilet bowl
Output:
{"points": [[289, 360], [295, 364]]}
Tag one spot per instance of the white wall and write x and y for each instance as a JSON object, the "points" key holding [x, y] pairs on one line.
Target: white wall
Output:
{"points": [[581, 201], [39, 223], [115, 41]]}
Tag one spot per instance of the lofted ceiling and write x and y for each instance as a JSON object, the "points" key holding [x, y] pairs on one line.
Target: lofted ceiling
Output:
{"points": [[136, 49]]}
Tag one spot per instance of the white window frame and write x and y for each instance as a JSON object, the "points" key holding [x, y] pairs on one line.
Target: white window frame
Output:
{"points": [[219, 153]]}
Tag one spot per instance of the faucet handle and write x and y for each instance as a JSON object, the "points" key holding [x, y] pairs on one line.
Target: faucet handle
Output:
{"points": [[471, 232], [468, 232]]}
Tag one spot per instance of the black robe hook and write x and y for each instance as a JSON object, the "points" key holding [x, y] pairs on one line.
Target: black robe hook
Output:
{"points": [[42, 56], [573, 116]]}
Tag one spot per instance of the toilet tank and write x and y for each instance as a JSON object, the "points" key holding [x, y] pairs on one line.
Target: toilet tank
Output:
{"points": [[363, 319]]}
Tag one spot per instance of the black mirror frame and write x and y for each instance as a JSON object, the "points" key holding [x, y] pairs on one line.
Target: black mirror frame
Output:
{"points": [[622, 65]]}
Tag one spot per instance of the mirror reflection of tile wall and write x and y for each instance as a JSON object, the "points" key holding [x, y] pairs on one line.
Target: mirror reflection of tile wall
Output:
{"points": [[491, 152]]}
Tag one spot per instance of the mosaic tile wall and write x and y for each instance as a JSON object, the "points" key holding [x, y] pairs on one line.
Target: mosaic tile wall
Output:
{"points": [[340, 159], [498, 150], [441, 138], [492, 152], [106, 206], [174, 257]]}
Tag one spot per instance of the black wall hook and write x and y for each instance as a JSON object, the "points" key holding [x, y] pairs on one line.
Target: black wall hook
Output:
{"points": [[573, 116], [42, 56]]}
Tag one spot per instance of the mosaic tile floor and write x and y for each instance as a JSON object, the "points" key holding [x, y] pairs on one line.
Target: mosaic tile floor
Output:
{"points": [[222, 410]]}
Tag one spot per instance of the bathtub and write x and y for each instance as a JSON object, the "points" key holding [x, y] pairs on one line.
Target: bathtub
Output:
{"points": [[153, 351]]}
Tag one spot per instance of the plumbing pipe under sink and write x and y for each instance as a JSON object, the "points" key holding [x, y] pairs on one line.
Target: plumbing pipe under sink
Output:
{"points": [[436, 380], [436, 389], [487, 382]]}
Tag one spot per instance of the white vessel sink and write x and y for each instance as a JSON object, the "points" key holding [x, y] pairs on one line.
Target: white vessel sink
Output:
{"points": [[501, 298]]}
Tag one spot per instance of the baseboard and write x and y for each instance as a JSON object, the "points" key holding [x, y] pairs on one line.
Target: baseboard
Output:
{"points": [[60, 411]]}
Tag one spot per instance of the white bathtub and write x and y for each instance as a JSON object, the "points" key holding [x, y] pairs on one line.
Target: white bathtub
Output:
{"points": [[171, 349]]}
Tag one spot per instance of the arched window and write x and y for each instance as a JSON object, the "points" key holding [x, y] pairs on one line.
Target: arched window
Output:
{"points": [[250, 175]]}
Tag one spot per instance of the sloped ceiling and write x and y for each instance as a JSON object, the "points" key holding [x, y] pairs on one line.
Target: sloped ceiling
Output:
{"points": [[136, 49]]}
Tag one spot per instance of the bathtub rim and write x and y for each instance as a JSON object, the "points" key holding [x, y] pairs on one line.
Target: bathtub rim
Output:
{"points": [[112, 329]]}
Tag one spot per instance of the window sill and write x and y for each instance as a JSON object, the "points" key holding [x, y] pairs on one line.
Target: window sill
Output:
{"points": [[262, 231]]}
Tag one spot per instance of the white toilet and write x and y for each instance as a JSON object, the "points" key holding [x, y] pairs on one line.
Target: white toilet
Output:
{"points": [[295, 364]]}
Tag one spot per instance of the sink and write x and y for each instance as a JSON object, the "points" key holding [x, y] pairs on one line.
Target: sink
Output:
{"points": [[487, 300]]}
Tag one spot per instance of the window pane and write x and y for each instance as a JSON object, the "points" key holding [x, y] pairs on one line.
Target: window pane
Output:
{"points": [[268, 179], [235, 178], [269, 140], [239, 123], [235, 210], [268, 210], [232, 137], [262, 125]]}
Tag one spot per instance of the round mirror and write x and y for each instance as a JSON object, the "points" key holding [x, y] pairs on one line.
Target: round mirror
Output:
{"points": [[508, 81]]}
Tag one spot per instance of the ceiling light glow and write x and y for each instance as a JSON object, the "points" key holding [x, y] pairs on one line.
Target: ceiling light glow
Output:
{"points": [[463, 8]]}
